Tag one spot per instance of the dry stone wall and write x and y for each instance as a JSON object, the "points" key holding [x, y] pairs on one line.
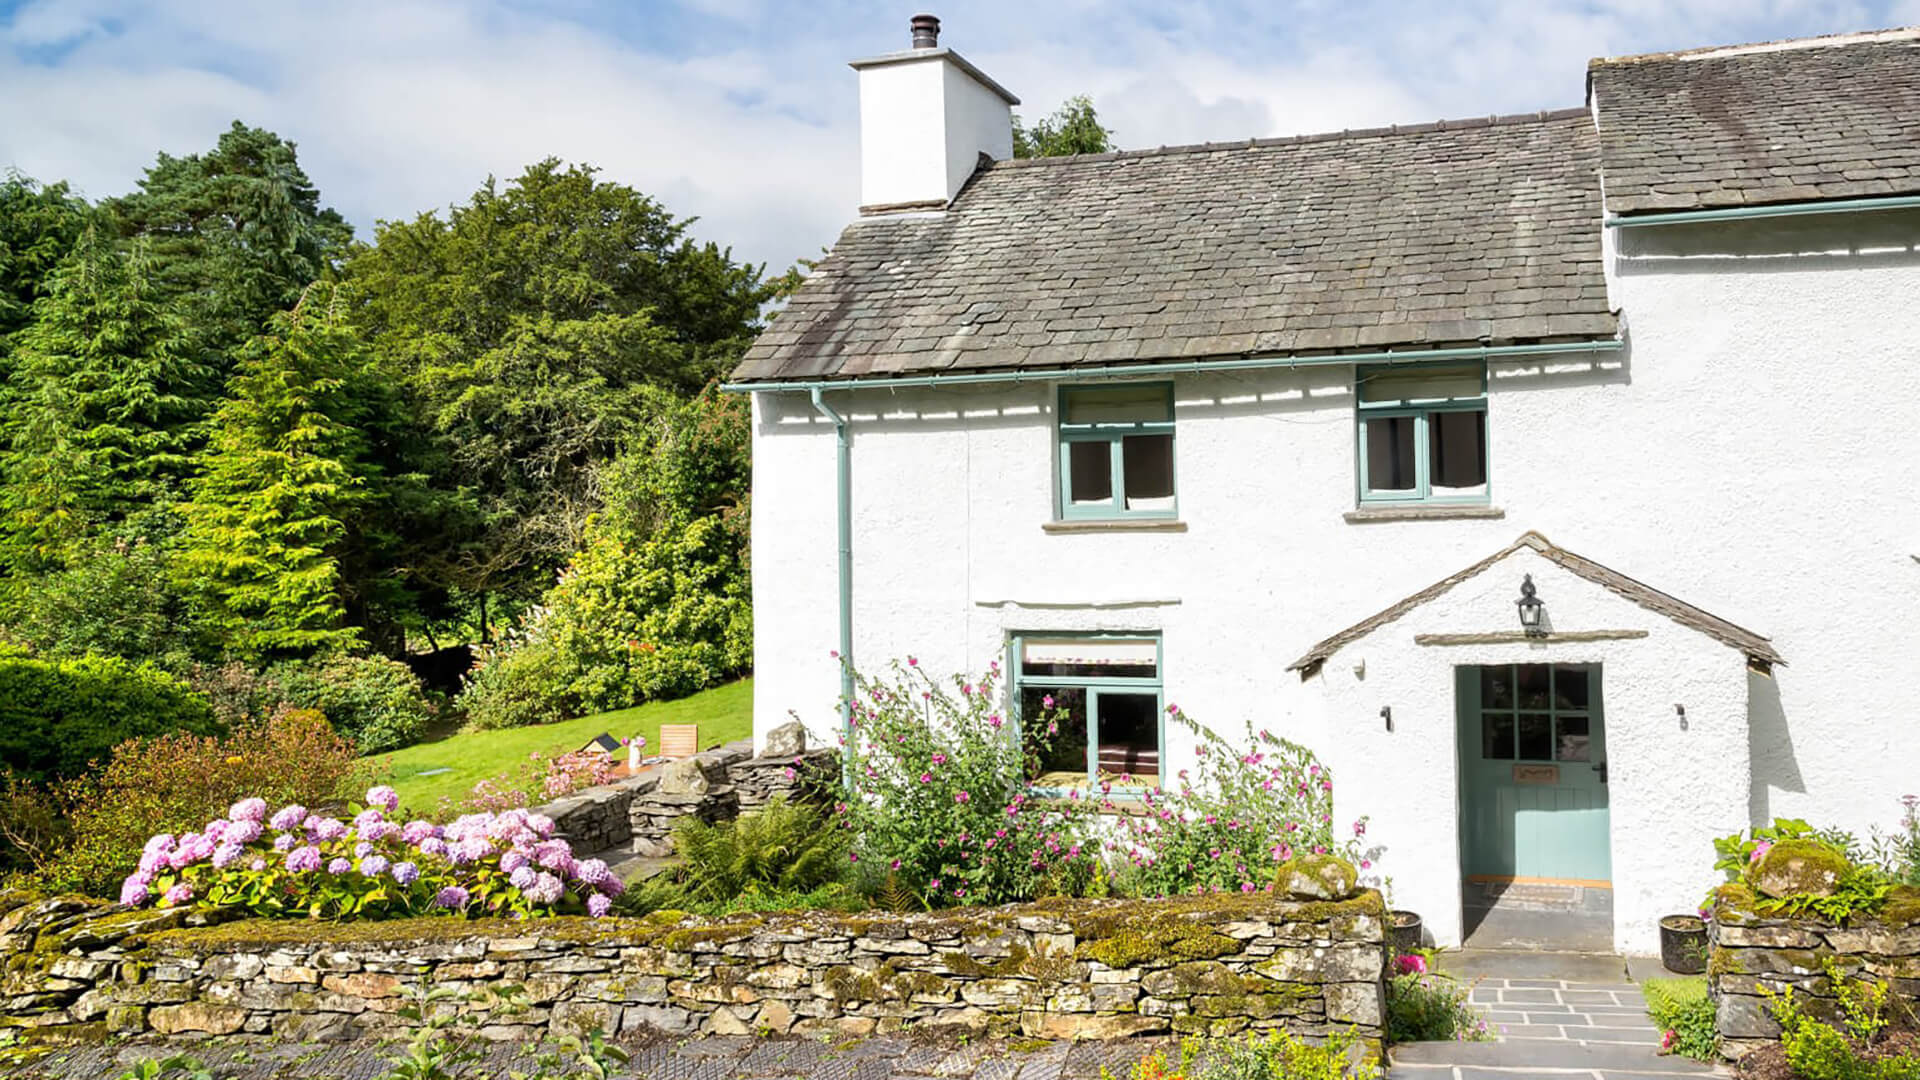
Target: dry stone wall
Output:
{"points": [[1055, 969], [1750, 955]]}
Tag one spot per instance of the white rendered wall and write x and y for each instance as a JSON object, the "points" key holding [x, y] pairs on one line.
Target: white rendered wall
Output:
{"points": [[923, 125], [1754, 451]]}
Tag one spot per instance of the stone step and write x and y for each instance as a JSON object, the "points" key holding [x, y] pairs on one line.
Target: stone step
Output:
{"points": [[1541, 1056]]}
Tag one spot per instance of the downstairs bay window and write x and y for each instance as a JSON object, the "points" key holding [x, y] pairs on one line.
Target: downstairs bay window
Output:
{"points": [[1102, 694], [1423, 433]]}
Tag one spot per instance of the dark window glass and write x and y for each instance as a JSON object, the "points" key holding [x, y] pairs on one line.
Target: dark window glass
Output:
{"points": [[1534, 680], [1130, 735], [1390, 454], [1570, 687], [1573, 744], [1457, 452], [1536, 737], [1496, 735], [1090, 472], [1146, 461], [1496, 687], [1053, 754]]}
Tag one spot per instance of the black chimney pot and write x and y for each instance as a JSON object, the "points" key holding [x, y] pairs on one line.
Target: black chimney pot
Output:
{"points": [[926, 31]]}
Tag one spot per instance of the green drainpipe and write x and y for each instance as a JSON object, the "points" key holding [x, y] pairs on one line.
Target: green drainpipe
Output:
{"points": [[843, 512]]}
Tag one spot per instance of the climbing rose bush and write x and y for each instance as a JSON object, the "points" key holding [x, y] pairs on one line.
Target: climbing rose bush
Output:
{"points": [[293, 862], [936, 795], [1234, 816]]}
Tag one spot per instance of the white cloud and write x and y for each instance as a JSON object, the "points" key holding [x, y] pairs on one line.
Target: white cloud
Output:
{"points": [[742, 111]]}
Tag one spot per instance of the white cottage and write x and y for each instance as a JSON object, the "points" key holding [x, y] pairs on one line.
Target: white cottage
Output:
{"points": [[1553, 476]]}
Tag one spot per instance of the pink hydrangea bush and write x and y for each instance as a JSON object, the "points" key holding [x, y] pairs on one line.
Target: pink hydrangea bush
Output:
{"points": [[294, 862], [1232, 818], [936, 796]]}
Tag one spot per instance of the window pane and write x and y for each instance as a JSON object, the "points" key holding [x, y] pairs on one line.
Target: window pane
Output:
{"points": [[1090, 473], [1570, 687], [1573, 744], [1388, 386], [1390, 454], [1533, 679], [1129, 732], [1536, 737], [1116, 405], [1130, 658], [1496, 737], [1496, 687], [1457, 451], [1058, 757], [1146, 466]]}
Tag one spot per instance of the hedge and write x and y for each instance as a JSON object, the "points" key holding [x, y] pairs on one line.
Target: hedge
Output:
{"points": [[57, 716]]}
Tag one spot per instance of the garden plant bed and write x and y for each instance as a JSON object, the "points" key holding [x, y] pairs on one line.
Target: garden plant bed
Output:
{"points": [[80, 970]]}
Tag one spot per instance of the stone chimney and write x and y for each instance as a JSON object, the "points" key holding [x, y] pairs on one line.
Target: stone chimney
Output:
{"points": [[926, 116]]}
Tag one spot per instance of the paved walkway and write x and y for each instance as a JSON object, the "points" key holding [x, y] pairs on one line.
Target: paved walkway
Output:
{"points": [[1590, 1023]]}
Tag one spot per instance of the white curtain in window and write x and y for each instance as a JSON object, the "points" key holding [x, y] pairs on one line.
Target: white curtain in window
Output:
{"points": [[1384, 386], [1117, 405], [1114, 652]]}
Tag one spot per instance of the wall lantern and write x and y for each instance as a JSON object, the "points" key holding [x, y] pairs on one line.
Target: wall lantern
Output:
{"points": [[1531, 609]]}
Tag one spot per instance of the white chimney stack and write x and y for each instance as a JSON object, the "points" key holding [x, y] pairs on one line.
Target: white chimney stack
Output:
{"points": [[926, 116]]}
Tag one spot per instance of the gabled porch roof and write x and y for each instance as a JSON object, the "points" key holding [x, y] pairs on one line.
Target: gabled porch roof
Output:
{"points": [[1755, 646]]}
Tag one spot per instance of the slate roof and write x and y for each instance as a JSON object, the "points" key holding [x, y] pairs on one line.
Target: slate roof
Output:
{"points": [[1823, 118], [1454, 233], [1755, 646]]}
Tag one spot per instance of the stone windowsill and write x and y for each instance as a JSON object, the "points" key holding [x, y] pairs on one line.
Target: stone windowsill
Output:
{"points": [[1367, 514], [1114, 525]]}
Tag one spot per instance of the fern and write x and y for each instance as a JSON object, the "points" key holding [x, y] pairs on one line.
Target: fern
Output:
{"points": [[780, 848], [896, 897]]}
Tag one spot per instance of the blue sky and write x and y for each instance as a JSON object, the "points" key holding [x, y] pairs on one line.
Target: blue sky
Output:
{"points": [[743, 112]]}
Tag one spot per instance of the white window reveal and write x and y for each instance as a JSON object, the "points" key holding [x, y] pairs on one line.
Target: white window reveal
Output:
{"points": [[1104, 695], [1423, 433]]}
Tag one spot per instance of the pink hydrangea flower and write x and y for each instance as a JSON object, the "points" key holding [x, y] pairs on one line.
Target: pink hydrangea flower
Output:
{"points": [[303, 859], [384, 797], [598, 905], [254, 810], [134, 891], [181, 893], [289, 817]]}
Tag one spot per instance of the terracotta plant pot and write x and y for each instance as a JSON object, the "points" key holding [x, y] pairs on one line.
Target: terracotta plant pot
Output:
{"points": [[1403, 931], [1683, 944]]}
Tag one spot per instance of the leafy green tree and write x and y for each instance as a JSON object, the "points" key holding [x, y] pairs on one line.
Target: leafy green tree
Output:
{"points": [[283, 471], [534, 329], [39, 224], [236, 233], [104, 407], [1074, 128]]}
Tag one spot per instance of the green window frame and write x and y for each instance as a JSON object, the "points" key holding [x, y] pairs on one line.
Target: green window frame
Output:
{"points": [[1537, 712], [1120, 693], [1421, 434], [1120, 464]]}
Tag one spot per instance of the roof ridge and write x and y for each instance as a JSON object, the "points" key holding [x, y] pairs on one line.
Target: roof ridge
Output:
{"points": [[1501, 120], [1711, 52]]}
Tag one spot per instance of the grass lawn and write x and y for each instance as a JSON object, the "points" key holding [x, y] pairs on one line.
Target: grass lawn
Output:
{"points": [[724, 714]]}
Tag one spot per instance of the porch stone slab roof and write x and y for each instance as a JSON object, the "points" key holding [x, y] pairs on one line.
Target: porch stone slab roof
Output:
{"points": [[1821, 118], [1453, 233], [1754, 646]]}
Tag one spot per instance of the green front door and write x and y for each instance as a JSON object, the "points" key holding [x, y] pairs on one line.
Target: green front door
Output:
{"points": [[1533, 781]]}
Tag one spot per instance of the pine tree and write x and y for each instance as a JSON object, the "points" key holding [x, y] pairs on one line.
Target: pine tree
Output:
{"points": [[104, 407], [283, 473]]}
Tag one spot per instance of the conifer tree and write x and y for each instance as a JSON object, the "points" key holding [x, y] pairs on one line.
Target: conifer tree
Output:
{"points": [[104, 408], [283, 473]]}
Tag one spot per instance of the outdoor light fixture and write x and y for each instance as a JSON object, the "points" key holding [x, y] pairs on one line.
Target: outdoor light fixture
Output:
{"points": [[1530, 608]]}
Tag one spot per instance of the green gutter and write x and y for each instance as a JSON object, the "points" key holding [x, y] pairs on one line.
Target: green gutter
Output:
{"points": [[1190, 367], [843, 512], [1742, 213]]}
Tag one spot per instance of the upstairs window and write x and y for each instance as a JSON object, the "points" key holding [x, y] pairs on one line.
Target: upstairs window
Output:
{"points": [[1103, 695], [1116, 451], [1423, 434]]}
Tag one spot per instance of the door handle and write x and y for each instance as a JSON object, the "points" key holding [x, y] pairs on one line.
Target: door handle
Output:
{"points": [[1601, 768]]}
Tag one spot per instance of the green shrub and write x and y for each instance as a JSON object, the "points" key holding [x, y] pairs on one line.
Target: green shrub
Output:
{"points": [[780, 848], [518, 683], [1276, 1055], [1818, 1051], [57, 716], [1681, 1010], [179, 782], [113, 597], [378, 703]]}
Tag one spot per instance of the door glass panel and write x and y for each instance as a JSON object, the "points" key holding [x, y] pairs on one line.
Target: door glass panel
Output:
{"points": [[1457, 452], [1496, 738], [1056, 758], [1496, 687], [1574, 743], [1129, 731], [1090, 473], [1570, 687], [1146, 463], [1534, 680], [1390, 454], [1536, 737]]}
